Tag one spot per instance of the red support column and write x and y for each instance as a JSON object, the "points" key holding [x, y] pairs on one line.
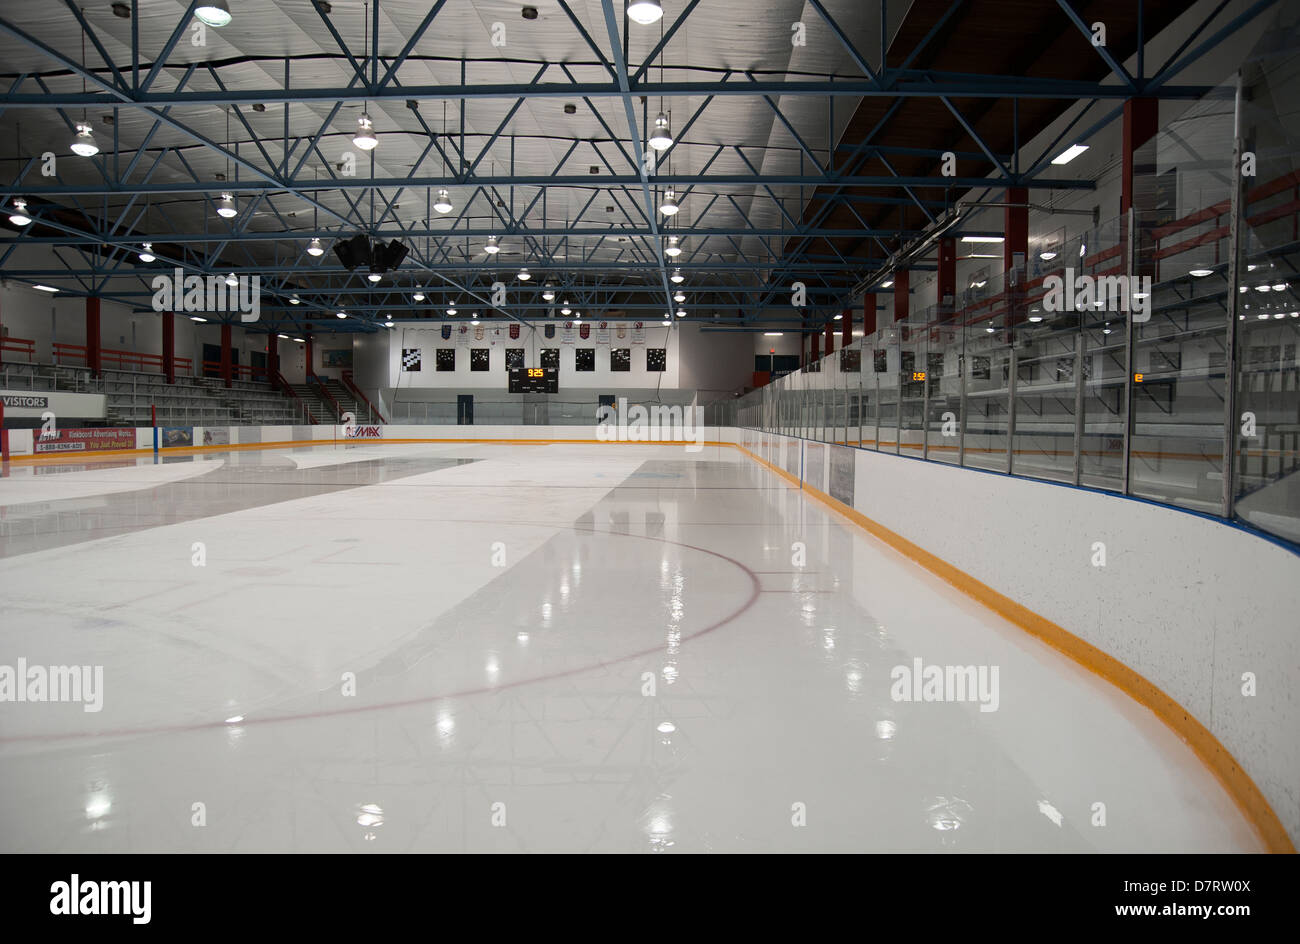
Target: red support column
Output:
{"points": [[947, 288], [846, 328], [1015, 228], [868, 314], [830, 337], [902, 295], [1141, 122], [4, 435], [225, 354], [816, 347], [308, 362], [94, 348], [272, 357], [1015, 252], [169, 345]]}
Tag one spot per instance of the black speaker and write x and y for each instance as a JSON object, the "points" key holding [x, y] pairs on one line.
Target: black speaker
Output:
{"points": [[387, 258], [353, 253]]}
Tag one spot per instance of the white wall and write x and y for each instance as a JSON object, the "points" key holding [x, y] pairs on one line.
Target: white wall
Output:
{"points": [[1187, 601]]}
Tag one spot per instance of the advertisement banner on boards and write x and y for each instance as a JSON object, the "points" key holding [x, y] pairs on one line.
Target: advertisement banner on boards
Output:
{"points": [[85, 440]]}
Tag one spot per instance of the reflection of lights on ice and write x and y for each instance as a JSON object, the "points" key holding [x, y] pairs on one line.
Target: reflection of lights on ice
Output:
{"points": [[666, 727], [444, 724], [828, 639], [97, 806], [547, 610], [371, 814], [493, 666], [853, 679], [885, 730], [670, 673], [947, 814], [1050, 812], [522, 637]]}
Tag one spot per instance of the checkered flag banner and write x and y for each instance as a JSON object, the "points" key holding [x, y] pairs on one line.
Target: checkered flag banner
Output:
{"points": [[411, 358]]}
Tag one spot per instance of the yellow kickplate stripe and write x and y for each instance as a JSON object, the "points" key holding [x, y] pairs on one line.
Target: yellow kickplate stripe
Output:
{"points": [[1252, 803]]}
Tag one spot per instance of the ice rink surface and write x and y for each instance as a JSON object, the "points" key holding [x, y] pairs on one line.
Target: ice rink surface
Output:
{"points": [[477, 647]]}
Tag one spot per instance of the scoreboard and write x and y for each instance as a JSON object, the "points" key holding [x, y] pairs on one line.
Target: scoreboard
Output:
{"points": [[534, 380]]}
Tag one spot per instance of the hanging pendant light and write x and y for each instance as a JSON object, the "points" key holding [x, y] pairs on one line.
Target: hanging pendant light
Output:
{"points": [[146, 253], [451, 310], [679, 296], [443, 203], [213, 13], [374, 276], [83, 145], [677, 278], [661, 138], [524, 275], [492, 248], [314, 248], [548, 293], [226, 206], [19, 215], [231, 280], [673, 249], [644, 12], [418, 296], [564, 307], [365, 136], [669, 207]]}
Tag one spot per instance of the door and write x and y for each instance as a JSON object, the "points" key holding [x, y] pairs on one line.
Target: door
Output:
{"points": [[465, 409]]}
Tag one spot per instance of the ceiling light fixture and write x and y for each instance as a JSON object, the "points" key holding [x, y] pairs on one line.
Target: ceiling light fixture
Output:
{"points": [[418, 296], [374, 276], [340, 314], [231, 280], [213, 13], [524, 275], [19, 216], [83, 145], [365, 136], [294, 300], [146, 254], [1069, 154], [673, 249], [661, 138], [226, 206], [1200, 273], [451, 311], [44, 288], [314, 248], [644, 12], [199, 318], [492, 248], [982, 239], [669, 207], [1047, 255], [548, 293], [679, 296], [677, 278], [564, 307], [443, 203]]}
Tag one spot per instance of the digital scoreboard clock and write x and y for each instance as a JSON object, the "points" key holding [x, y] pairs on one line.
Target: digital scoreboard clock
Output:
{"points": [[534, 380]]}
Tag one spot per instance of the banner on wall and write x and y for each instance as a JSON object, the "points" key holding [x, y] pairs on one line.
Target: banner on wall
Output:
{"points": [[549, 331], [84, 440], [363, 432], [514, 332], [584, 331], [446, 332], [567, 335], [602, 333], [216, 437], [638, 332], [462, 335], [620, 332], [496, 336], [176, 436]]}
